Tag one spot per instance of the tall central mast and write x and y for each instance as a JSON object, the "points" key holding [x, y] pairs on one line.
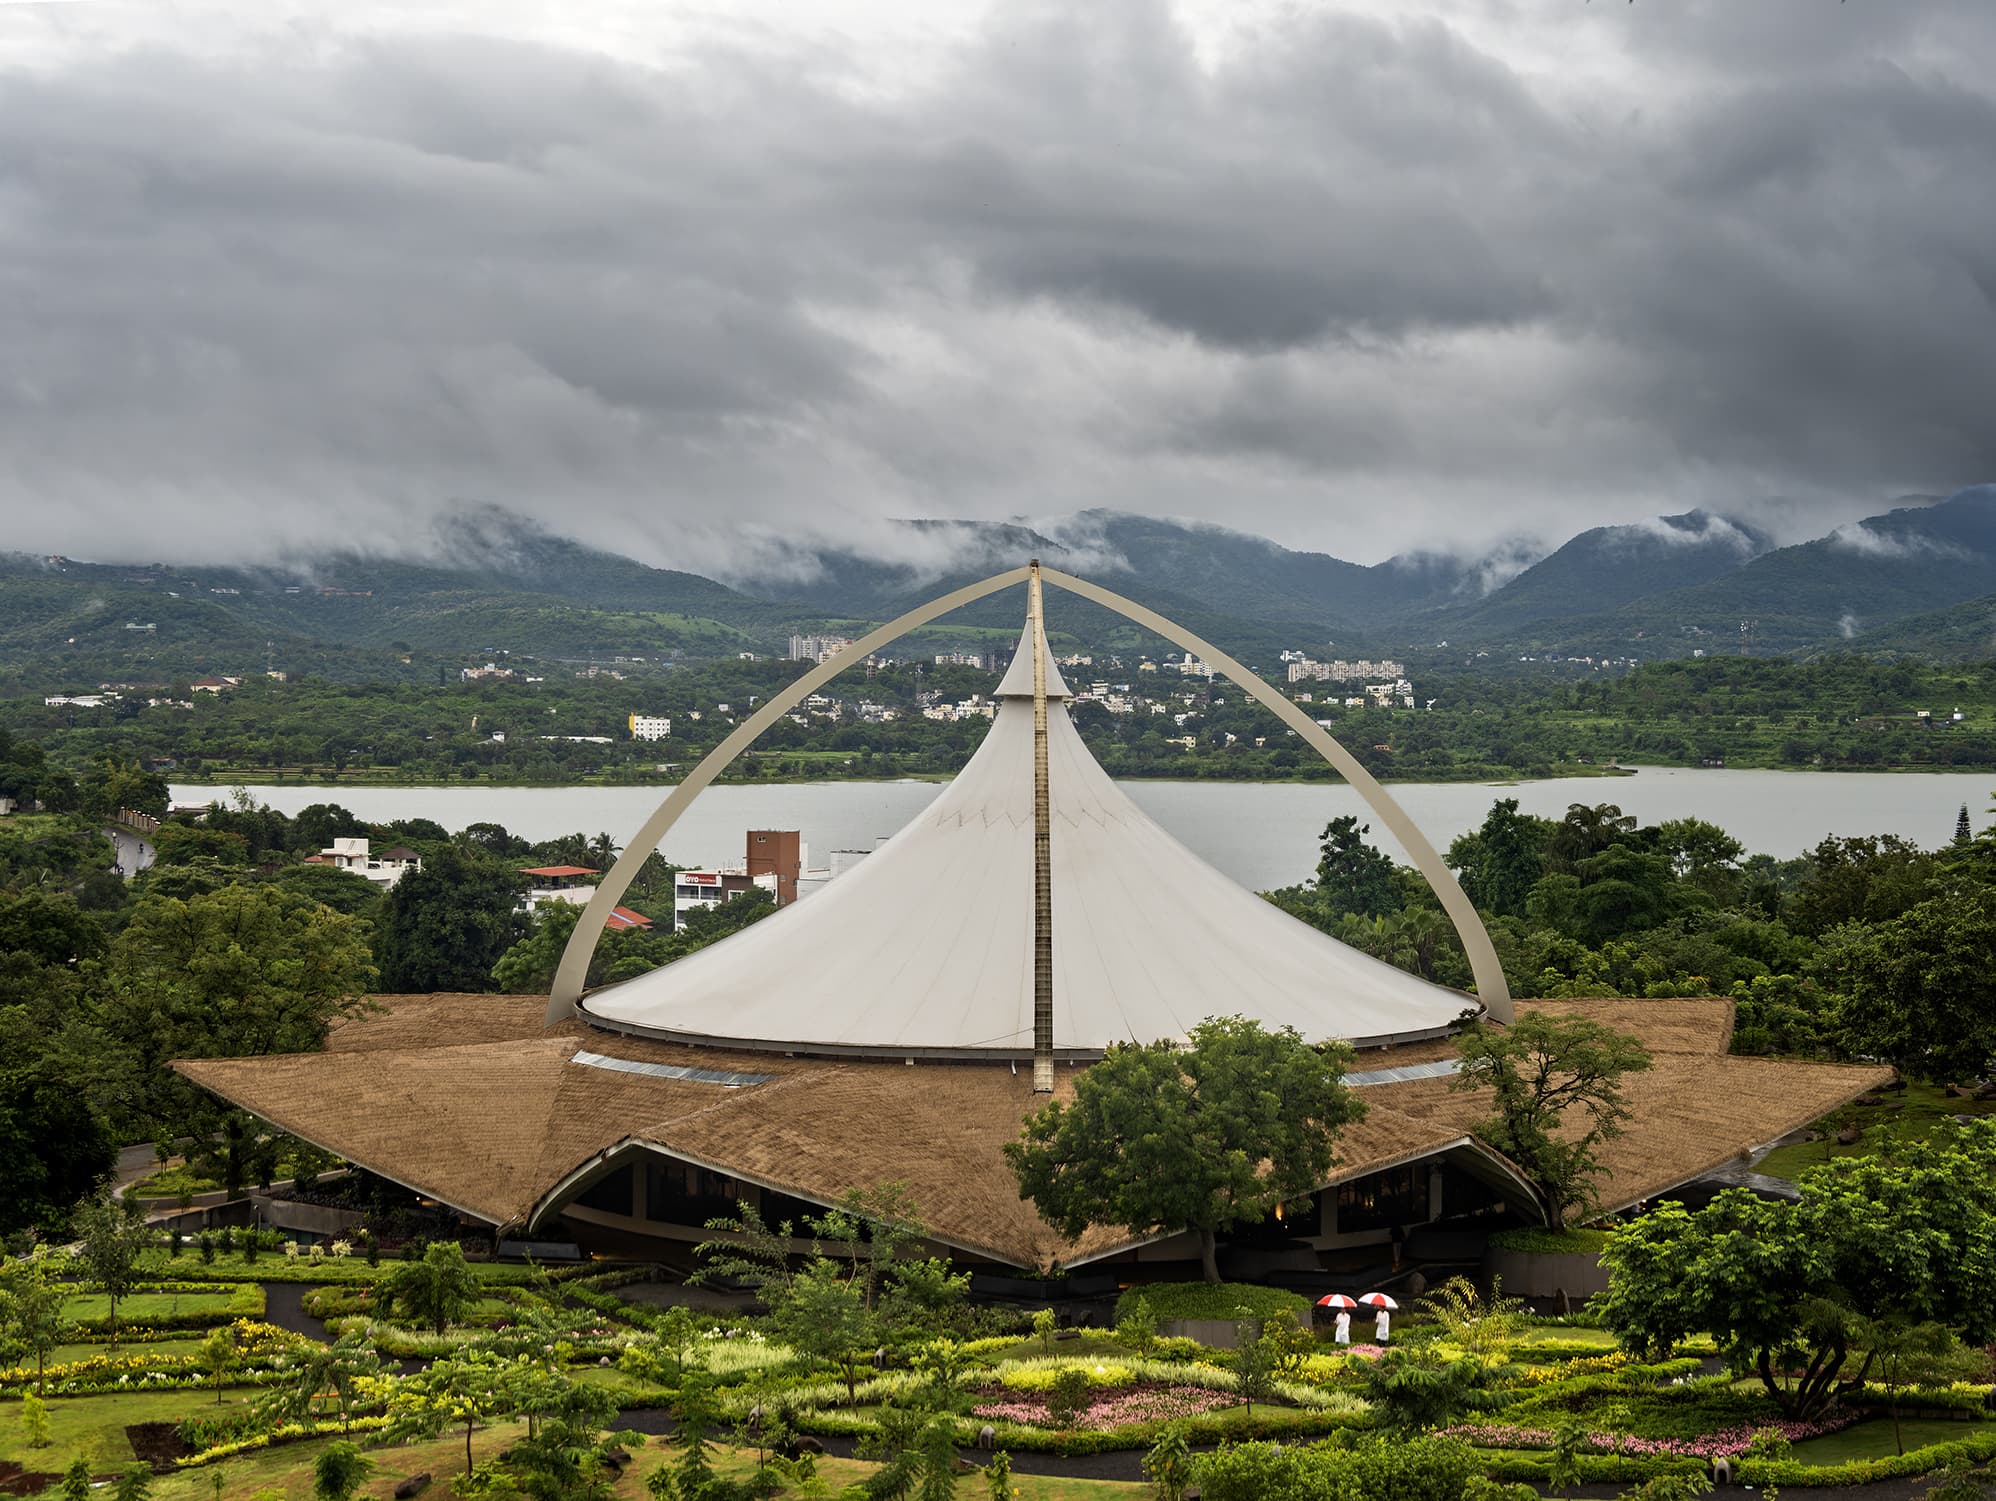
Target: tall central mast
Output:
{"points": [[1042, 849]]}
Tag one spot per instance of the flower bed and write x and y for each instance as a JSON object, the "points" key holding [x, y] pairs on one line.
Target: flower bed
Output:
{"points": [[1144, 1402], [1726, 1443]]}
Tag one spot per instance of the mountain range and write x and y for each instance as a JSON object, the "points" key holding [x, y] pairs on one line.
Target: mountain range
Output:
{"points": [[1920, 576]]}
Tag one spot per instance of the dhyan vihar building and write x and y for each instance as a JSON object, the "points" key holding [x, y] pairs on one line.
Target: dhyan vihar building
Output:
{"points": [[901, 1024]]}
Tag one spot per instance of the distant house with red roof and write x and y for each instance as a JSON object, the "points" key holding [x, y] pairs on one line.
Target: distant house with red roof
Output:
{"points": [[558, 883]]}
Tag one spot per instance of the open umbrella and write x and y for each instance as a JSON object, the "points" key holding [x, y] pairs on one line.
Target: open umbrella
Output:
{"points": [[1336, 1300], [1378, 1300]]}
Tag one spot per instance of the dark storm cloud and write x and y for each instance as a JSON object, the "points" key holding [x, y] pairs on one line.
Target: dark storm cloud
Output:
{"points": [[1359, 279]]}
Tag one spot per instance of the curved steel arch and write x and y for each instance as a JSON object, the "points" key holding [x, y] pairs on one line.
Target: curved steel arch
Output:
{"points": [[569, 977], [1491, 987]]}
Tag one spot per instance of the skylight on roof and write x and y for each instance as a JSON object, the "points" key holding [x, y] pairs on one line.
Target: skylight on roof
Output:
{"points": [[726, 1078]]}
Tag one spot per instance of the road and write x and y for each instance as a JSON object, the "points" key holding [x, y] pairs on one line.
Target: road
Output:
{"points": [[134, 853]]}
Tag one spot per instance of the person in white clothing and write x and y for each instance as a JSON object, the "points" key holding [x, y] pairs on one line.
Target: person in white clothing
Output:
{"points": [[1343, 1335], [1380, 1326]]}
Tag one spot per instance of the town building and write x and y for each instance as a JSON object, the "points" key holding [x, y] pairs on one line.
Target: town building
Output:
{"points": [[356, 857], [651, 727], [558, 883], [816, 648]]}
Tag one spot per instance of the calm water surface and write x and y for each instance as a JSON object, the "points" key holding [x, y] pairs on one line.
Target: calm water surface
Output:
{"points": [[1260, 834]]}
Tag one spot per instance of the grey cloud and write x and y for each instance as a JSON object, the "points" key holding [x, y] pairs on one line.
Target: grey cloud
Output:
{"points": [[1369, 281]]}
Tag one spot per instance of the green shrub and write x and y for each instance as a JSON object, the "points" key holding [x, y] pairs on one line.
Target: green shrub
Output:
{"points": [[1067, 1394], [1376, 1469], [1212, 1300]]}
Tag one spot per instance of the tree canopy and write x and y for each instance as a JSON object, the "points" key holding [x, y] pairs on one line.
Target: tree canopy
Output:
{"points": [[1200, 1136], [1556, 1092], [1789, 1287]]}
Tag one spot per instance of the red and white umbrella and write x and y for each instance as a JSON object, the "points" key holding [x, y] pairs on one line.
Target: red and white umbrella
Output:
{"points": [[1378, 1300], [1336, 1300]]}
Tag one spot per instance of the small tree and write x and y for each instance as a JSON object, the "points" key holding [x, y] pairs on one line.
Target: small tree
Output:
{"points": [[31, 1310], [435, 1291], [1067, 1397], [35, 1425], [218, 1356], [824, 1315], [1254, 1363], [339, 1471], [1557, 1088], [134, 1483], [1045, 1323], [462, 1388], [1136, 1331], [317, 1371], [76, 1481], [1197, 1138], [1905, 1356], [113, 1233]]}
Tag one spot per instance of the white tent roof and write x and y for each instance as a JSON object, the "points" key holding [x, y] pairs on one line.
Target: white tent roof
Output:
{"points": [[926, 946]]}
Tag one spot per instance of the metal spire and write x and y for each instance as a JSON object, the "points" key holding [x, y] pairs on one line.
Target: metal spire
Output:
{"points": [[1042, 849]]}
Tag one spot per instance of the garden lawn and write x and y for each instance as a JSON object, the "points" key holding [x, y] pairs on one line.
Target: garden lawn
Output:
{"points": [[288, 1470], [143, 1308], [1872, 1439], [94, 1427], [1925, 1105]]}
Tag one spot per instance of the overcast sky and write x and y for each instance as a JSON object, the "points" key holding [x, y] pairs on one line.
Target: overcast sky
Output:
{"points": [[691, 282]]}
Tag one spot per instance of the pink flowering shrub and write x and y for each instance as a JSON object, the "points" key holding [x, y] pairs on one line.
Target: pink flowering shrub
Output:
{"points": [[1112, 1408], [1725, 1443]]}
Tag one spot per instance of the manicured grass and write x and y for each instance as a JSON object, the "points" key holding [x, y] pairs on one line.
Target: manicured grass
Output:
{"points": [[1872, 1439], [1563, 1336], [140, 1308], [94, 1427], [1547, 1243], [1926, 1106]]}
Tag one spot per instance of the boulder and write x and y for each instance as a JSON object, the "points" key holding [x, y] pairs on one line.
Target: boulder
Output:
{"points": [[801, 1444], [415, 1485], [1848, 1137]]}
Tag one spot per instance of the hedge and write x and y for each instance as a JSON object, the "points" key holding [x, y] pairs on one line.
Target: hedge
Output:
{"points": [[1536, 1242], [1783, 1472], [1213, 1300], [1593, 1469], [1199, 1429]]}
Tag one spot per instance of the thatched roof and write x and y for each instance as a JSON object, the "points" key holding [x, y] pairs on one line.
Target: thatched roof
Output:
{"points": [[464, 1098]]}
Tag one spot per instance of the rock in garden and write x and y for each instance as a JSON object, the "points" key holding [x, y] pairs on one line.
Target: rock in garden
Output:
{"points": [[800, 1445], [1848, 1136], [415, 1485], [1869, 1099]]}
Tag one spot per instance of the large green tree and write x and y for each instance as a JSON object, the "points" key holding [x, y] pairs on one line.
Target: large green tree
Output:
{"points": [[1556, 1096], [1499, 862], [1200, 1136], [53, 1149], [1352, 876], [443, 927], [1791, 1288], [1920, 989]]}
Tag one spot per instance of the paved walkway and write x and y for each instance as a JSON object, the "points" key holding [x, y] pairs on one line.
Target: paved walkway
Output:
{"points": [[134, 854]]}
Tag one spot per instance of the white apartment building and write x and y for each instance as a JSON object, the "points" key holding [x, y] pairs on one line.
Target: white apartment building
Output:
{"points": [[816, 648], [651, 727], [1303, 670]]}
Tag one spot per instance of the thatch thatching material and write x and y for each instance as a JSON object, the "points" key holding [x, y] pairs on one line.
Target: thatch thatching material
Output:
{"points": [[465, 1099]]}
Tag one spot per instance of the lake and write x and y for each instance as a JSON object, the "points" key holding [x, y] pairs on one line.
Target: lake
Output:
{"points": [[1262, 834]]}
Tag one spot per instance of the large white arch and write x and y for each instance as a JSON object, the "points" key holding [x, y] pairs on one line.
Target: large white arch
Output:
{"points": [[573, 970]]}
